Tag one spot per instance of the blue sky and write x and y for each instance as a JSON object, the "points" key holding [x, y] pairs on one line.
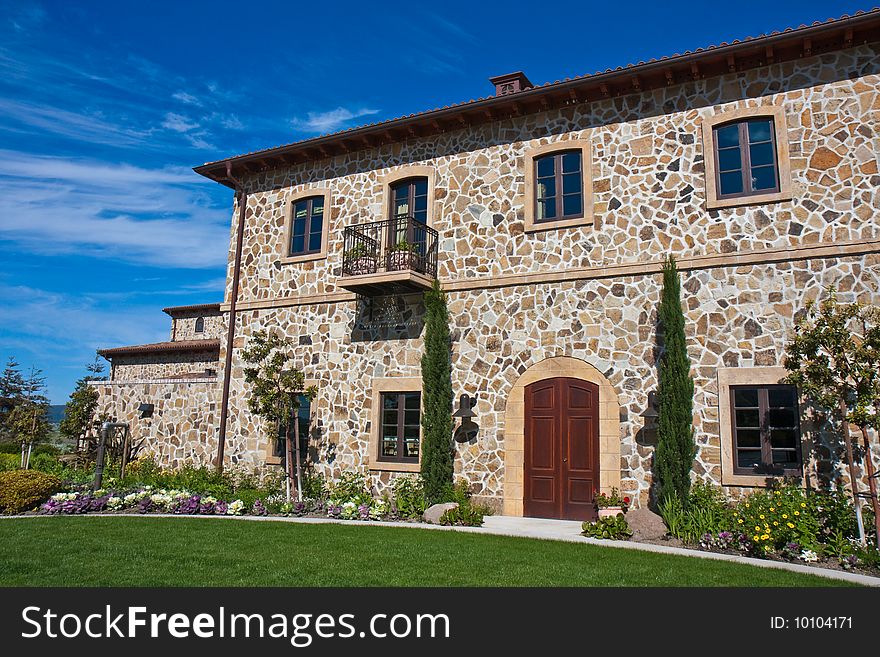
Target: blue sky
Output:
{"points": [[106, 106]]}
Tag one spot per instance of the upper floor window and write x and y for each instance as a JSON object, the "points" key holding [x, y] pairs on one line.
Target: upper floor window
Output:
{"points": [[200, 325], [745, 158], [307, 228], [409, 199], [766, 430], [559, 192]]}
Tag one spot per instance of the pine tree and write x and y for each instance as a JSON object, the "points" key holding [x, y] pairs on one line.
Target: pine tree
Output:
{"points": [[11, 394], [675, 452], [436, 397], [79, 412]]}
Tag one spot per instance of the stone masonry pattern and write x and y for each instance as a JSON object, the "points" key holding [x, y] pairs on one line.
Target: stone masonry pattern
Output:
{"points": [[649, 200]]}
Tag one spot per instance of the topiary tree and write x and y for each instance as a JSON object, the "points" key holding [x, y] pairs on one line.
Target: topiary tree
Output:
{"points": [[276, 387], [436, 398], [834, 358], [675, 452]]}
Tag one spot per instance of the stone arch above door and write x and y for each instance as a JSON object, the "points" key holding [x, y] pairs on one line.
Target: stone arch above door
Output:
{"points": [[514, 426]]}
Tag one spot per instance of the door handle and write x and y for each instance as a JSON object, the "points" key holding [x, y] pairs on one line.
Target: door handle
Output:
{"points": [[565, 460]]}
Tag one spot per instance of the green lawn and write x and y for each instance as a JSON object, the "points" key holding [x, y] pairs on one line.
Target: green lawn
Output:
{"points": [[107, 551]]}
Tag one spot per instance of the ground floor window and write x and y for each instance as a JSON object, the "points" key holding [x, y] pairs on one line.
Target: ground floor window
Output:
{"points": [[401, 419], [303, 416], [766, 430]]}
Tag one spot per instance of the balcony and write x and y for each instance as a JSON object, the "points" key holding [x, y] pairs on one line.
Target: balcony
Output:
{"points": [[395, 256]]}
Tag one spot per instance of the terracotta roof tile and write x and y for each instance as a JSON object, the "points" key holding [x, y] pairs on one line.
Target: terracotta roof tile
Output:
{"points": [[162, 347]]}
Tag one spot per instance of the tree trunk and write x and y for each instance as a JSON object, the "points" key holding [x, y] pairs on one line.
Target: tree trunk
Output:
{"points": [[299, 486], [872, 484], [21, 462], [27, 460], [289, 458], [853, 480]]}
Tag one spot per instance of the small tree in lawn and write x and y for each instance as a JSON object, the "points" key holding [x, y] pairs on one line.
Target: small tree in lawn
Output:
{"points": [[29, 422], [437, 468], [834, 358], [275, 390], [675, 452], [79, 412]]}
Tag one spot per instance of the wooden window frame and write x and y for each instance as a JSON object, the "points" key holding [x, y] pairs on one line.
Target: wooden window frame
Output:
{"points": [[200, 325], [558, 186], [727, 378], [383, 385], [306, 194], [744, 147], [783, 191], [529, 201], [401, 416], [402, 174], [766, 467]]}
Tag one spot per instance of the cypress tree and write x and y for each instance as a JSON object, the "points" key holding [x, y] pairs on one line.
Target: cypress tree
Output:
{"points": [[675, 452], [436, 398]]}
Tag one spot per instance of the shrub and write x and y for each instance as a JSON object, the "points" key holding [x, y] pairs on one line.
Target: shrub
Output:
{"points": [[464, 515], [604, 501], [22, 490], [609, 527], [409, 496], [314, 486], [350, 487], [771, 518], [9, 462]]}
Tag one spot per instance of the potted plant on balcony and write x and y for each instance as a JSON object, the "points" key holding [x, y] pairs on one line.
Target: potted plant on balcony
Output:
{"points": [[403, 255], [611, 504], [360, 260]]}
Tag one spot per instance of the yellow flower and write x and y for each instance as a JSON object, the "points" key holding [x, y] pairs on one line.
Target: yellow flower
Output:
{"points": [[772, 509], [797, 513], [791, 526], [803, 505], [775, 524], [785, 515], [740, 521], [757, 529], [756, 537], [765, 537], [761, 516], [779, 492]]}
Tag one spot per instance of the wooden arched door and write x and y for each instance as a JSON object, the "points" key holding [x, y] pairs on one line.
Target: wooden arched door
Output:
{"points": [[561, 456]]}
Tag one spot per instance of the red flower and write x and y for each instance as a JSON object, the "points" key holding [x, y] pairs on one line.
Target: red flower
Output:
{"points": [[626, 500]]}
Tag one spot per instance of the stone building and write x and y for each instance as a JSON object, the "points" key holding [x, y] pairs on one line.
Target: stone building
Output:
{"points": [[546, 211]]}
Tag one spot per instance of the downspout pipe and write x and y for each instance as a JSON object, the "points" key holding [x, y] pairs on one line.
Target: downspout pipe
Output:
{"points": [[241, 199]]}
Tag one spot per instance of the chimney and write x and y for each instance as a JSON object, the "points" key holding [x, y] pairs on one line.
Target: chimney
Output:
{"points": [[510, 83]]}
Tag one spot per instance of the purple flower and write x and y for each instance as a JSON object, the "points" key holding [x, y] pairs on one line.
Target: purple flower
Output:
{"points": [[334, 510], [364, 511], [259, 509], [220, 508], [146, 505]]}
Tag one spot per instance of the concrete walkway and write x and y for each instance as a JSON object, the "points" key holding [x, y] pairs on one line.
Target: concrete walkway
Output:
{"points": [[539, 528]]}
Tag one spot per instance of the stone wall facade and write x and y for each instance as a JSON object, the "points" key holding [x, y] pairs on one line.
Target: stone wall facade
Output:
{"points": [[183, 326], [136, 367], [587, 293], [183, 427]]}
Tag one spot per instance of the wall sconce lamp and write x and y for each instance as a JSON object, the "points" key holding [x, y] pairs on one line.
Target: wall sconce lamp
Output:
{"points": [[651, 413], [466, 414], [145, 410]]}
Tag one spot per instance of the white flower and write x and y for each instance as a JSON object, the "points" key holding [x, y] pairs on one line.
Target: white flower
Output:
{"points": [[161, 499], [809, 556], [207, 499], [235, 508], [114, 503]]}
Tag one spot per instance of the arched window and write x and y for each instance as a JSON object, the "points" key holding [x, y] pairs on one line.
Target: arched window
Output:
{"points": [[200, 325], [746, 158], [306, 231], [559, 192], [409, 199]]}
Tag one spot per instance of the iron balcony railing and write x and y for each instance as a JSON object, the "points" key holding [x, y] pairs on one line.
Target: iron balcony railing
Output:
{"points": [[398, 244]]}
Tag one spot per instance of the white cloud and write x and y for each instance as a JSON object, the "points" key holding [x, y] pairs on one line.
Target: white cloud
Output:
{"points": [[331, 120], [159, 217], [186, 98], [178, 122]]}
